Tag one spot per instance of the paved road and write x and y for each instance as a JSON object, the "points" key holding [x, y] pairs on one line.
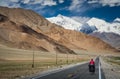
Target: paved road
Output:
{"points": [[76, 72]]}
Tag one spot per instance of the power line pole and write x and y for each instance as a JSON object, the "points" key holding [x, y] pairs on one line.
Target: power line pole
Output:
{"points": [[56, 58], [67, 58], [76, 58], [33, 60]]}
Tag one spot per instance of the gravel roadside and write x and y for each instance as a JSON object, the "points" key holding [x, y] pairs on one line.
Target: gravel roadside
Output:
{"points": [[111, 71]]}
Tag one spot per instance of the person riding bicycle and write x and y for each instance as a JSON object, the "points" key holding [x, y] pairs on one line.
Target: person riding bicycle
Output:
{"points": [[91, 66]]}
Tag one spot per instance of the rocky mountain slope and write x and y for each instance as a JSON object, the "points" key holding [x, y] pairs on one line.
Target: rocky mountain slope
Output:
{"points": [[111, 38], [23, 37], [48, 35], [94, 26]]}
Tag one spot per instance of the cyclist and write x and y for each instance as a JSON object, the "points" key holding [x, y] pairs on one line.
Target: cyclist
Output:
{"points": [[91, 66]]}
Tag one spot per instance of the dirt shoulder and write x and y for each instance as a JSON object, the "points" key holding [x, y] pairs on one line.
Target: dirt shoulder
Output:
{"points": [[110, 69]]}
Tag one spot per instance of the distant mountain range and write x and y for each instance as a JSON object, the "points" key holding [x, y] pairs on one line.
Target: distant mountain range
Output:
{"points": [[66, 22], [94, 26], [110, 38], [26, 29]]}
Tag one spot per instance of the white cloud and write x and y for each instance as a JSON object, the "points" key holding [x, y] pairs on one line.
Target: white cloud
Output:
{"points": [[14, 3], [3, 3], [110, 3], [76, 4], [61, 1], [92, 1], [26, 1], [84, 5], [43, 2], [49, 2], [81, 19], [14, 0], [9, 3]]}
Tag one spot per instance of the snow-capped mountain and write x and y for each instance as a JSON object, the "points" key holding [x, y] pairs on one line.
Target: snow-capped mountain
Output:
{"points": [[87, 29], [92, 25], [96, 27], [65, 22], [103, 26], [117, 20]]}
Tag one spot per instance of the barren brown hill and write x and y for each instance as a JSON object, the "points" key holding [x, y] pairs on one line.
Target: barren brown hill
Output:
{"points": [[68, 38], [77, 40], [22, 36]]}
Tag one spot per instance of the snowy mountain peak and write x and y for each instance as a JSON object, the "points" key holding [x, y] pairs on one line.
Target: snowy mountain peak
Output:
{"points": [[59, 15], [117, 20], [95, 21], [103, 26], [92, 25], [65, 22]]}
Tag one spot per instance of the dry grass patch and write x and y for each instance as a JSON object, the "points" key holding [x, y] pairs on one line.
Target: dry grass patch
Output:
{"points": [[113, 60], [16, 69], [17, 63]]}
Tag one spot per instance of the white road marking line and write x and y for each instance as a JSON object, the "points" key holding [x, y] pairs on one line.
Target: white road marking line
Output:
{"points": [[99, 69]]}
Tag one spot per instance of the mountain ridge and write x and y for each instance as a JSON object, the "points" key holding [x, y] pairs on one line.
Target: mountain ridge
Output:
{"points": [[99, 24], [23, 37], [111, 38], [65, 38], [66, 22], [94, 27]]}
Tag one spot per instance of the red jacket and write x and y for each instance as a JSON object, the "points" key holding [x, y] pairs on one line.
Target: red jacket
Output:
{"points": [[92, 62]]}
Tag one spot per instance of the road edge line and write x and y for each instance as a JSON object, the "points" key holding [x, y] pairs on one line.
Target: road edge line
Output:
{"points": [[99, 69]]}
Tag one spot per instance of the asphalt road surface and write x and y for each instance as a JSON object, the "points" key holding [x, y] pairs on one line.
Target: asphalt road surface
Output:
{"points": [[76, 72]]}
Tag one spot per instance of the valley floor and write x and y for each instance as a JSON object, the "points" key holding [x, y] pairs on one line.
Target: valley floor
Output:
{"points": [[17, 63]]}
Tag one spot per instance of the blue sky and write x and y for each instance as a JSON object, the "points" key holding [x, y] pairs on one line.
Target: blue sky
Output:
{"points": [[76, 9]]}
